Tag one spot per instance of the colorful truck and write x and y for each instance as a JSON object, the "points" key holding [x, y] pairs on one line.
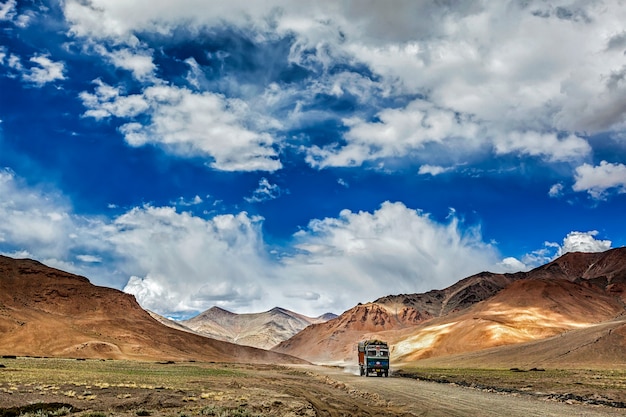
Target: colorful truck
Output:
{"points": [[373, 357]]}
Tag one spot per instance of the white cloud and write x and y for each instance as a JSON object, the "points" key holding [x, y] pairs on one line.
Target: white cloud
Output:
{"points": [[188, 124], [265, 191], [39, 223], [556, 190], [196, 262], [484, 72], [583, 242], [573, 242], [511, 264], [14, 62], [546, 145], [138, 61], [44, 71], [433, 170], [399, 131], [598, 180], [33, 219], [108, 101], [89, 258], [392, 250], [485, 59], [7, 10], [186, 203]]}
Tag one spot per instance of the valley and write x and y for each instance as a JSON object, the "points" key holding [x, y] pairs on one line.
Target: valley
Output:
{"points": [[550, 341]]}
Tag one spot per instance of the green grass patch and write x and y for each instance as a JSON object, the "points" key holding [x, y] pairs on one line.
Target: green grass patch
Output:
{"points": [[54, 371]]}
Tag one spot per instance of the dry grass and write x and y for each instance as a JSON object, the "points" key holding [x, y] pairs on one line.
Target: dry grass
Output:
{"points": [[49, 373], [590, 385]]}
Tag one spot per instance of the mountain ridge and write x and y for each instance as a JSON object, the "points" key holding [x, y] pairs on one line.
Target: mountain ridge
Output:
{"points": [[427, 325], [263, 330], [49, 312]]}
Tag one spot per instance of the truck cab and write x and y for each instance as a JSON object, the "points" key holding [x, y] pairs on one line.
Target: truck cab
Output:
{"points": [[373, 358]]}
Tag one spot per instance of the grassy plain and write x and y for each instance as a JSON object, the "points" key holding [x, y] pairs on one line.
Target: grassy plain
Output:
{"points": [[47, 387], [98, 388]]}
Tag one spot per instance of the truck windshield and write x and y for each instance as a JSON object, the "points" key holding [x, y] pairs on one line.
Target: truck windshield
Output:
{"points": [[377, 353]]}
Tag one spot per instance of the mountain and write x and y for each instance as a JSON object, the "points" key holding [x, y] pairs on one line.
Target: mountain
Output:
{"points": [[574, 292], [263, 330], [526, 310], [48, 312]]}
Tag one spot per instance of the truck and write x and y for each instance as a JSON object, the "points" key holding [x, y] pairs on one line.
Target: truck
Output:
{"points": [[373, 358]]}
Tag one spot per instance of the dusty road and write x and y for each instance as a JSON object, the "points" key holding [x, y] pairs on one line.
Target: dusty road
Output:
{"points": [[432, 399]]}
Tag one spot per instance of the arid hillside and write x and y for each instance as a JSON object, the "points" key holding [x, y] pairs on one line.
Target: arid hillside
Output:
{"points": [[48, 312], [573, 293], [263, 330]]}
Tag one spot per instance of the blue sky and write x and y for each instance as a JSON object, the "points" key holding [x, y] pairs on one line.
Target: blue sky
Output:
{"points": [[308, 156]]}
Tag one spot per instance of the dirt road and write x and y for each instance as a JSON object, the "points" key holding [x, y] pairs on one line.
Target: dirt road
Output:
{"points": [[431, 399]]}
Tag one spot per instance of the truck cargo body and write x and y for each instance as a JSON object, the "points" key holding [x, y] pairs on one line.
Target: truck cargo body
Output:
{"points": [[373, 358]]}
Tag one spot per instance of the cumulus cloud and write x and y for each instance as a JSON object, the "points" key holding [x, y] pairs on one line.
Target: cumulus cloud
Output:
{"points": [[391, 250], [188, 124], [544, 145], [196, 262], [38, 222], [433, 170], [265, 191], [33, 219], [7, 10], [598, 180], [44, 71], [179, 264], [187, 203], [583, 242], [482, 81], [137, 60], [511, 264], [556, 190], [189, 264], [398, 132], [574, 242]]}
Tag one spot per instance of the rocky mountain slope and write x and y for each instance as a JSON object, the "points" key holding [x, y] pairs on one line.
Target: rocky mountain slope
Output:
{"points": [[263, 330], [48, 312], [574, 292]]}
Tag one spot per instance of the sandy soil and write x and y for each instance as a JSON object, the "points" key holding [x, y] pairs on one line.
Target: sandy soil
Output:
{"points": [[116, 388]]}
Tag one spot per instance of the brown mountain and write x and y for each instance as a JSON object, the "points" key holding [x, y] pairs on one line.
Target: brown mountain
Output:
{"points": [[263, 330], [526, 310], [576, 291], [48, 312]]}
